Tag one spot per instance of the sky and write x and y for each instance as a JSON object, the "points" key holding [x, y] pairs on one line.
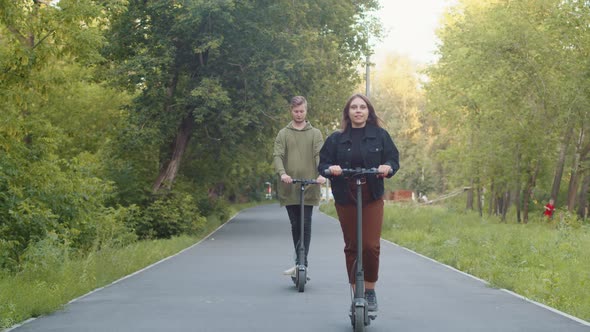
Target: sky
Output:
{"points": [[410, 25]]}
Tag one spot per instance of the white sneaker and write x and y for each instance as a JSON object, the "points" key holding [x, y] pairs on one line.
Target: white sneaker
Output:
{"points": [[290, 272]]}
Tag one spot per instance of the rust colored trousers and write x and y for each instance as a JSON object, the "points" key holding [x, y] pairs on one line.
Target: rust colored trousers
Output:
{"points": [[372, 212]]}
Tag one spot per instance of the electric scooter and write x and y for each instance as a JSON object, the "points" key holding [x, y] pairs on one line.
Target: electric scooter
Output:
{"points": [[359, 314], [300, 278]]}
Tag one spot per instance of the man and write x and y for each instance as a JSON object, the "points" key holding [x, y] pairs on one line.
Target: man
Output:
{"points": [[296, 156]]}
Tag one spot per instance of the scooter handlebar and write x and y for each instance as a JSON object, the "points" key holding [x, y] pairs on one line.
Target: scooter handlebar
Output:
{"points": [[305, 181], [357, 171]]}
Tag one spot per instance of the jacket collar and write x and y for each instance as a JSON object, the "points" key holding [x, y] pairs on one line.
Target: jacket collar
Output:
{"points": [[370, 132]]}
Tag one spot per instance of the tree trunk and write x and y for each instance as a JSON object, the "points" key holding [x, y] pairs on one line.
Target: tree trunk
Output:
{"points": [[479, 200], [518, 194], [499, 204], [178, 147], [561, 164], [583, 198], [506, 205], [574, 178], [528, 192], [573, 191], [492, 197], [469, 205], [518, 204]]}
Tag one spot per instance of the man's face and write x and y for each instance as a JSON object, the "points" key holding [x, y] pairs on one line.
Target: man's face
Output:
{"points": [[298, 113]]}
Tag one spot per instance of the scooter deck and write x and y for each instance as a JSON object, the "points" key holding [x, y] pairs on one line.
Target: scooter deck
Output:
{"points": [[372, 314], [295, 279]]}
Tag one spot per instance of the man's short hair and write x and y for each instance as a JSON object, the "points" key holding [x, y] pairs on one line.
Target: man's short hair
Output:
{"points": [[298, 100]]}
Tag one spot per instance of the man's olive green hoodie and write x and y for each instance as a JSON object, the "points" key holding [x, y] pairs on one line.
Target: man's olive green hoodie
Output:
{"points": [[297, 153]]}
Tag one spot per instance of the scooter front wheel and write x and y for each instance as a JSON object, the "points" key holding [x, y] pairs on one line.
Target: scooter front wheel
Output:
{"points": [[358, 319], [301, 278]]}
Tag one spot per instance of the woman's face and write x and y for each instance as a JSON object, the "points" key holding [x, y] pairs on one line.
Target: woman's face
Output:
{"points": [[358, 113]]}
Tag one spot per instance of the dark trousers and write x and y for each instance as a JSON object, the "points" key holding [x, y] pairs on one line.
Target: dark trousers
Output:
{"points": [[372, 213], [294, 212]]}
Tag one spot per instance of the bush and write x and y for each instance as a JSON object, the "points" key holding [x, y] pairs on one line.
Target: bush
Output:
{"points": [[211, 206], [44, 258], [41, 196], [566, 219], [170, 215], [114, 227]]}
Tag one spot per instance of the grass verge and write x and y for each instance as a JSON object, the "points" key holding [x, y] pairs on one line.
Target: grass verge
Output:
{"points": [[545, 262]]}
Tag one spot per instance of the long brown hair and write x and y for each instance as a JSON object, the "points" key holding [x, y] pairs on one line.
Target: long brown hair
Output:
{"points": [[372, 119]]}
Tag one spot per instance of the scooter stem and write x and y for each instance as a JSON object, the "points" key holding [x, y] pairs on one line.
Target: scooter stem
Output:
{"points": [[301, 248], [359, 291]]}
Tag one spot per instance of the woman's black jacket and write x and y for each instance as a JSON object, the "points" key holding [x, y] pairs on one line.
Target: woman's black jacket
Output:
{"points": [[377, 148]]}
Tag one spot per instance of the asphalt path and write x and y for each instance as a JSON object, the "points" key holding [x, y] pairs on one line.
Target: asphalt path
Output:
{"points": [[232, 281]]}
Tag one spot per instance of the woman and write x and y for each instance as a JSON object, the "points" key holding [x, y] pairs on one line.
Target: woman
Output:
{"points": [[361, 142]]}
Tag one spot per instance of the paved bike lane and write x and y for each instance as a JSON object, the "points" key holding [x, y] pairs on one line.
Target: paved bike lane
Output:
{"points": [[232, 281]]}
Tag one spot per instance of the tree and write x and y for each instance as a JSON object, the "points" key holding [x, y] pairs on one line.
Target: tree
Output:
{"points": [[506, 86], [221, 72], [49, 170], [400, 102]]}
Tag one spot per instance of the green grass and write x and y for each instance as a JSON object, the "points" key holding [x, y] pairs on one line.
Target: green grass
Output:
{"points": [[545, 262], [45, 288]]}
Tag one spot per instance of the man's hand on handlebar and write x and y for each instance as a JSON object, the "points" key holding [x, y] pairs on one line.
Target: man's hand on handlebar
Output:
{"points": [[321, 180], [286, 178]]}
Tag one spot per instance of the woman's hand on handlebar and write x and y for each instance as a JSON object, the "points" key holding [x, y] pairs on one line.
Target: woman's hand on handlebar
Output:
{"points": [[335, 170], [384, 170], [286, 178]]}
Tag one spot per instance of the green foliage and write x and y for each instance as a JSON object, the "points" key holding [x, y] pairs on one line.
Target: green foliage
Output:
{"points": [[399, 102], [93, 93], [506, 91], [546, 262], [230, 69], [56, 117], [130, 160], [168, 216], [567, 221], [113, 227], [47, 196]]}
